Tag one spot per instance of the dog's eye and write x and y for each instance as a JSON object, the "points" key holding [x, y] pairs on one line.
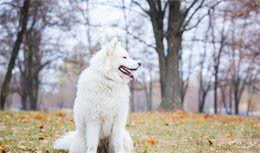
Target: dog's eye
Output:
{"points": [[125, 57]]}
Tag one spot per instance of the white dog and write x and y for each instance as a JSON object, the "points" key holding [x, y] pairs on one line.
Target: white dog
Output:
{"points": [[102, 103]]}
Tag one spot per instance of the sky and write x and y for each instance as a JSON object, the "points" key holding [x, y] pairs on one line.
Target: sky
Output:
{"points": [[110, 20]]}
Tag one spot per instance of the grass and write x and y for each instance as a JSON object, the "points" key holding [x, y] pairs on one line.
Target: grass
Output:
{"points": [[156, 132]]}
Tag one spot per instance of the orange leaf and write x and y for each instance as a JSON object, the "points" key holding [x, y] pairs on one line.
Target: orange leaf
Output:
{"points": [[230, 135], [152, 141], [200, 121], [40, 117], [60, 114], [206, 116], [3, 148]]}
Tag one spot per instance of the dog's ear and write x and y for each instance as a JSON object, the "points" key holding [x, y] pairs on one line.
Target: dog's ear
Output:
{"points": [[112, 46]]}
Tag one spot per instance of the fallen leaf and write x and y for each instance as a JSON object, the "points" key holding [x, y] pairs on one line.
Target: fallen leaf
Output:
{"points": [[23, 119], [210, 142], [173, 145], [152, 141], [206, 116], [41, 127], [229, 135], [40, 117], [61, 114], [200, 121], [3, 148]]}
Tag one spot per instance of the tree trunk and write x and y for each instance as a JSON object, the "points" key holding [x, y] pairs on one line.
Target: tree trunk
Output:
{"points": [[202, 101], [31, 69], [171, 98], [22, 28], [132, 97], [216, 90], [171, 82], [236, 98], [24, 101], [230, 100], [236, 107], [150, 106], [148, 94], [34, 94]]}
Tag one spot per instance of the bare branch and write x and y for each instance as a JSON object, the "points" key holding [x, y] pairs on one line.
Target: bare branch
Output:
{"points": [[193, 13], [189, 8], [141, 7], [127, 31], [139, 39], [11, 4], [196, 24], [152, 5], [165, 7], [185, 28]]}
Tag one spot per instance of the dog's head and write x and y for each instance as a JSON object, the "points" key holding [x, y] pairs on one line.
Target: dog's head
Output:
{"points": [[114, 62]]}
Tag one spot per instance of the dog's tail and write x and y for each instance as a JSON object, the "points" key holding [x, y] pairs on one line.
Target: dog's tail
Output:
{"points": [[64, 142]]}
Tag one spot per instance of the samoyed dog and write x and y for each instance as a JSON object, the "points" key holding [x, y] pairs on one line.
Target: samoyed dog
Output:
{"points": [[102, 103]]}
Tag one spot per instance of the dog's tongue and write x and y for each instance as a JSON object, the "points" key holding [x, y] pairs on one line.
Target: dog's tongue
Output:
{"points": [[133, 74]]}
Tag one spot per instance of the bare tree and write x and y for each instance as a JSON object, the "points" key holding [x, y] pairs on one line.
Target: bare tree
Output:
{"points": [[19, 38], [217, 54], [147, 83], [243, 48], [33, 61], [178, 21]]}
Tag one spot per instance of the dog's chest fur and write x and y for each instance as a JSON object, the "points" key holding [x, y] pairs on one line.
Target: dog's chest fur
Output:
{"points": [[101, 100]]}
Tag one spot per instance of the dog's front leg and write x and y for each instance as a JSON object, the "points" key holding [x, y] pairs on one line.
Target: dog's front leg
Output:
{"points": [[118, 134], [92, 136], [117, 140]]}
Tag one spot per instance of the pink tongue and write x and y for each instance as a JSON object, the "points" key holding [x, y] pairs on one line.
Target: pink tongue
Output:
{"points": [[133, 74]]}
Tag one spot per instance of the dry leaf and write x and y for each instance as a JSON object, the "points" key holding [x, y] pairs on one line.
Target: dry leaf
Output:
{"points": [[206, 116], [3, 148], [229, 135], [41, 127], [200, 121], [152, 141], [61, 114], [40, 117], [173, 145]]}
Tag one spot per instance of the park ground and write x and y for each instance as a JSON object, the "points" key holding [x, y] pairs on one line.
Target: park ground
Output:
{"points": [[155, 132]]}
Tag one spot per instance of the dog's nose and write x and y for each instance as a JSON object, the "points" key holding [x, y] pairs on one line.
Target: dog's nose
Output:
{"points": [[139, 64]]}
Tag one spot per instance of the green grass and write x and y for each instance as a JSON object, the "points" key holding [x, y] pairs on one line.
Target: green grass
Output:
{"points": [[156, 132]]}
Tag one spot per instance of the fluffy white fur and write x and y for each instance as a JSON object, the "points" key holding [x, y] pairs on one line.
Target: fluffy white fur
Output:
{"points": [[101, 104]]}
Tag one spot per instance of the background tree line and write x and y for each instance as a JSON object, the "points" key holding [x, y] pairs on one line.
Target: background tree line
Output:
{"points": [[213, 44]]}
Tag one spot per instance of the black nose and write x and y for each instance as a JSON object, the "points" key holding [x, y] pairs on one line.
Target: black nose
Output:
{"points": [[139, 64]]}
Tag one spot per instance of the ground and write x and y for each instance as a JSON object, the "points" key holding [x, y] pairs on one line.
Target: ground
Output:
{"points": [[155, 132]]}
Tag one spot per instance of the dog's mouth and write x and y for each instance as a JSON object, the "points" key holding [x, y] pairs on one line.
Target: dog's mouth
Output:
{"points": [[130, 72]]}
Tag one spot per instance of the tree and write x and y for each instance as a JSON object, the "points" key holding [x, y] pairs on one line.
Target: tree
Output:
{"points": [[204, 82], [30, 69], [244, 48], [178, 21], [42, 15], [31, 64], [16, 47]]}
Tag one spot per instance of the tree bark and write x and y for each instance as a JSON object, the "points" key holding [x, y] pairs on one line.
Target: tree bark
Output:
{"points": [[216, 90], [132, 96], [171, 97], [22, 29], [31, 69], [168, 62]]}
